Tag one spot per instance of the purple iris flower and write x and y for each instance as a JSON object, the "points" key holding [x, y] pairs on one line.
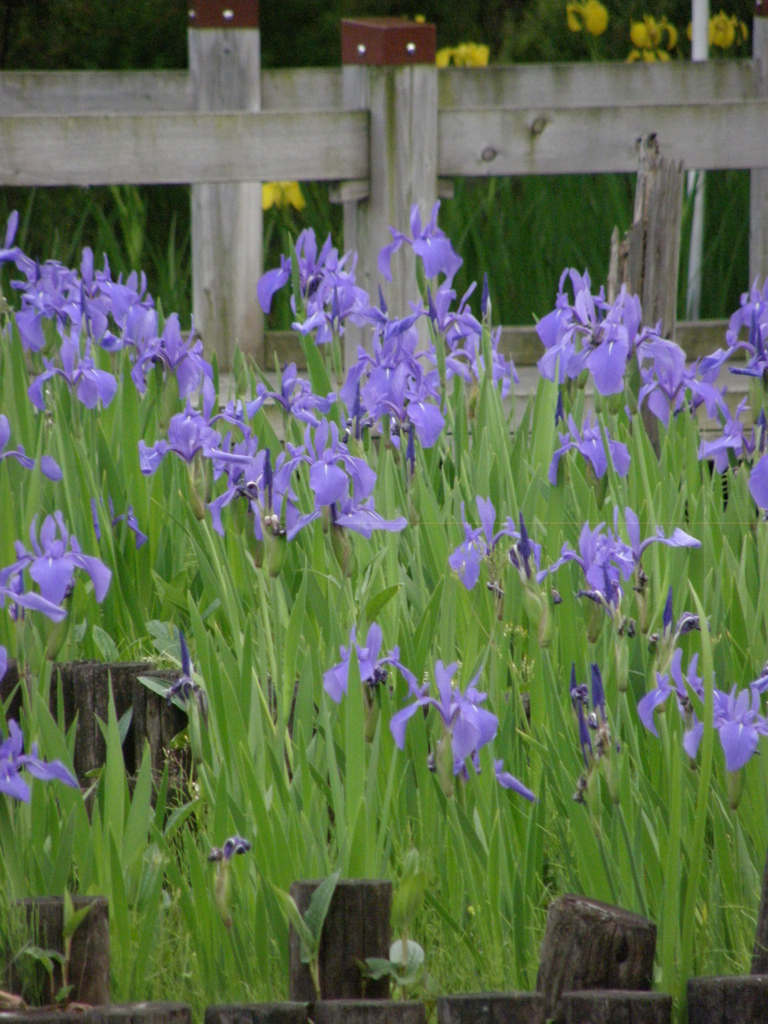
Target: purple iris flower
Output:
{"points": [[12, 587], [373, 669], [331, 467], [13, 760], [525, 555], [665, 381], [130, 520], [48, 465], [273, 281], [363, 518], [478, 543], [679, 538], [9, 251], [758, 482], [732, 439], [429, 243], [508, 781], [674, 682], [52, 563], [589, 334], [189, 433], [739, 724], [296, 398], [176, 356], [462, 333], [589, 442], [233, 846], [390, 381], [89, 384], [469, 725], [604, 559]]}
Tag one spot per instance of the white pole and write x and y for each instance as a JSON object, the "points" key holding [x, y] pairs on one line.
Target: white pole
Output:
{"points": [[699, 51]]}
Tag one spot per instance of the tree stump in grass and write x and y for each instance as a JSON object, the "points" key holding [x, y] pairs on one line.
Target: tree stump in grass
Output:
{"points": [[356, 927], [492, 1008], [611, 1007], [88, 965], [593, 945], [129, 1013], [85, 694], [731, 1000], [367, 1011], [257, 1013]]}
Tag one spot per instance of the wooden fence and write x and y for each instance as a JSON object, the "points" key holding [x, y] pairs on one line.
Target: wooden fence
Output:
{"points": [[385, 136]]}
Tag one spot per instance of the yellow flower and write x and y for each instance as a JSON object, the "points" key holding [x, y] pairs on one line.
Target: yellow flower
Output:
{"points": [[465, 55], [722, 30], [595, 17], [588, 14], [573, 17], [471, 55], [647, 37], [419, 19], [638, 33], [282, 193], [744, 32]]}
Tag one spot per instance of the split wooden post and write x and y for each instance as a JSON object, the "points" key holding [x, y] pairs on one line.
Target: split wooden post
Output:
{"points": [[389, 67], [88, 963], [356, 927], [593, 945], [225, 71], [758, 178], [728, 1000], [648, 259]]}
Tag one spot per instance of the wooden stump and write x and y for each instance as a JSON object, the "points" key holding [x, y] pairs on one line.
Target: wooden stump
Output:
{"points": [[760, 953], [85, 694], [357, 926], [257, 1013], [731, 1000], [593, 945], [129, 1013], [88, 967], [492, 1008], [611, 1007], [367, 1011]]}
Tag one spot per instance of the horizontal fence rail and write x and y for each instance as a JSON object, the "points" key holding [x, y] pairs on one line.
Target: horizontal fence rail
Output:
{"points": [[595, 140], [501, 85], [323, 145], [168, 149]]}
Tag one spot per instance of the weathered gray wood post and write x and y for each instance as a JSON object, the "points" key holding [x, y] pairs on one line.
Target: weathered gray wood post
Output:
{"points": [[758, 178], [225, 71], [389, 67]]}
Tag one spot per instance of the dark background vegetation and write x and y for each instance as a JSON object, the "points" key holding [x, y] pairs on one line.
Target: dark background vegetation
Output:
{"points": [[523, 231]]}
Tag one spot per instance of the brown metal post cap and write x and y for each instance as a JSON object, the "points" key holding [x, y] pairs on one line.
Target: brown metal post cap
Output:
{"points": [[387, 42], [223, 14]]}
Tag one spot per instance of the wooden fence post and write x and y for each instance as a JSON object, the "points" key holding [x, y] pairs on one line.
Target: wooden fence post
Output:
{"points": [[225, 70], [389, 65], [758, 178]]}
